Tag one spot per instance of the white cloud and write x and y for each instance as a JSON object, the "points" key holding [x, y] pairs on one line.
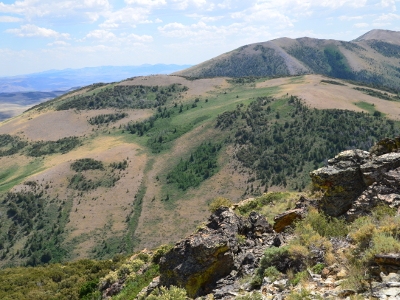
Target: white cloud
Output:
{"points": [[106, 36], [264, 13], [128, 16], [139, 38], [388, 3], [56, 10], [150, 3], [361, 25], [100, 35], [31, 30], [387, 17], [9, 19], [184, 4], [204, 18], [59, 44], [200, 32], [347, 18]]}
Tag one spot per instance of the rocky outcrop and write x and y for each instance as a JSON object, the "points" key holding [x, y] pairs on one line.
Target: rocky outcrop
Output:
{"points": [[341, 180], [385, 191], [355, 181], [228, 245], [286, 219], [378, 166], [388, 262]]}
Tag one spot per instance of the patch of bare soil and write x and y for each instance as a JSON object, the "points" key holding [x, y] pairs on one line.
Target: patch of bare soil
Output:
{"points": [[196, 87], [329, 96], [54, 125]]}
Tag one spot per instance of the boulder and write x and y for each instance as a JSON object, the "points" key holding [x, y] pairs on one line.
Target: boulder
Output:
{"points": [[388, 262], [286, 219], [341, 180], [373, 170], [385, 191], [355, 181], [198, 262]]}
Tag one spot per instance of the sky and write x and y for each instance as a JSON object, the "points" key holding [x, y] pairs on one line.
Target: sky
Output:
{"points": [[39, 35]]}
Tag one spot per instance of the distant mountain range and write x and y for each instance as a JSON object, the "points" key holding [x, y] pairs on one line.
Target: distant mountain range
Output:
{"points": [[62, 80], [372, 58]]}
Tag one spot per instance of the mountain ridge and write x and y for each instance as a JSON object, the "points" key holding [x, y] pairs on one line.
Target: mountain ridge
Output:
{"points": [[366, 59]]}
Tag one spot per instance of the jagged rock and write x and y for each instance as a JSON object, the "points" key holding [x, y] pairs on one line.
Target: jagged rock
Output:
{"points": [[146, 291], [373, 170], [355, 181], [386, 191], [257, 225], [286, 219], [113, 290], [198, 262], [341, 180], [388, 262]]}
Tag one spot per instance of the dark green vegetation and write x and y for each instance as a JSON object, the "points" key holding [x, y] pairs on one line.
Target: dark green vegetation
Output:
{"points": [[106, 118], [378, 94], [91, 174], [264, 63], [160, 129], [10, 145], [123, 97], [38, 218], [282, 140], [201, 165], [131, 240], [85, 164], [328, 61], [63, 145], [75, 280], [80, 182], [386, 49], [332, 82]]}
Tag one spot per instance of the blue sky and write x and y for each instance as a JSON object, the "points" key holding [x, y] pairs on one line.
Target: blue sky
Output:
{"points": [[38, 35]]}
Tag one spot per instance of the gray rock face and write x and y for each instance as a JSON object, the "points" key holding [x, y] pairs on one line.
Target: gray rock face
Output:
{"points": [[198, 262], [356, 181], [341, 180]]}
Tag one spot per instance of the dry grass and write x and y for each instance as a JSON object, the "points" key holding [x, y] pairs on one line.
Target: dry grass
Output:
{"points": [[54, 125], [329, 96]]}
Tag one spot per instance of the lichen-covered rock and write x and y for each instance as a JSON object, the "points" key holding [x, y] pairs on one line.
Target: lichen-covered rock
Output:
{"points": [[373, 170], [341, 180], [388, 262], [286, 219], [386, 146], [386, 191], [199, 261], [354, 181]]}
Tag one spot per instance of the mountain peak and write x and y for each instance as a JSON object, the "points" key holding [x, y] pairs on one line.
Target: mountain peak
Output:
{"points": [[388, 36]]}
